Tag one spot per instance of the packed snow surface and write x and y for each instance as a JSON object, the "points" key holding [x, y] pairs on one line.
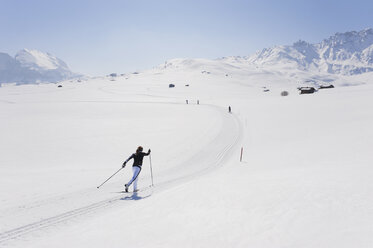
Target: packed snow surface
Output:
{"points": [[305, 179]]}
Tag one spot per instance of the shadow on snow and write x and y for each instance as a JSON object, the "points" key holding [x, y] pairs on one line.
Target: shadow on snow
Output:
{"points": [[134, 197]]}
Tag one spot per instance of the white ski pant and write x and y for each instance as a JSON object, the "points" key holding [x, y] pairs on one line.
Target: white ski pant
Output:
{"points": [[136, 171]]}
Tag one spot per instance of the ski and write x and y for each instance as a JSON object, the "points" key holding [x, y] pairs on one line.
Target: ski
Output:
{"points": [[132, 192]]}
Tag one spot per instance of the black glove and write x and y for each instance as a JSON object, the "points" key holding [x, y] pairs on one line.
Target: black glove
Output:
{"points": [[124, 164], [149, 151]]}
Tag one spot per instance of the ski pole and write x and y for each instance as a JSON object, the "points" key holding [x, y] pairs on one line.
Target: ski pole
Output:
{"points": [[109, 178], [151, 168]]}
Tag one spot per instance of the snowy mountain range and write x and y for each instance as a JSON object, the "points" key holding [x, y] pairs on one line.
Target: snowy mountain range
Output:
{"points": [[31, 66], [343, 53], [347, 53]]}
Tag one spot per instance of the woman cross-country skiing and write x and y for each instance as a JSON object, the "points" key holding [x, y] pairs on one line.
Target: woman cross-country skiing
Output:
{"points": [[136, 167]]}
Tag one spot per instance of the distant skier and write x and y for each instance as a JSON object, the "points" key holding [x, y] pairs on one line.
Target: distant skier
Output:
{"points": [[136, 167], [229, 109]]}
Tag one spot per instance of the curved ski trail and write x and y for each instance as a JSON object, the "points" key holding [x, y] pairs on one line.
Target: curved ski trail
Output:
{"points": [[219, 149]]}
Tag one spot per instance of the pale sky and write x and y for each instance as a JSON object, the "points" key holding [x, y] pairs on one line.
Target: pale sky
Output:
{"points": [[100, 37]]}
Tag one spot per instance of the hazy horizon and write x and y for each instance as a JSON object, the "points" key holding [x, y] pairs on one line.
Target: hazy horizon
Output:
{"points": [[98, 38]]}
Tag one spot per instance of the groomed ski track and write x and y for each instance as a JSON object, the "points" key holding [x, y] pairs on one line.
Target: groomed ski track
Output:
{"points": [[219, 150]]}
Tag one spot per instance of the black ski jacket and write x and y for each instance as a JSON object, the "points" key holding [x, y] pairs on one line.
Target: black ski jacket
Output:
{"points": [[137, 158]]}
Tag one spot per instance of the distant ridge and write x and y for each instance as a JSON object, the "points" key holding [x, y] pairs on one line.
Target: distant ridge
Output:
{"points": [[32, 66], [348, 53]]}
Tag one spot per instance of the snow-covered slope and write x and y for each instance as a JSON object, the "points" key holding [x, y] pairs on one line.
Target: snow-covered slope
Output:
{"points": [[347, 53], [344, 53], [36, 60], [305, 179], [30, 66], [8, 67]]}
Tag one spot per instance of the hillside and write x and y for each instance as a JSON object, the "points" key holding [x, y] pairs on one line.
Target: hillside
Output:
{"points": [[32, 66], [347, 53], [305, 178]]}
